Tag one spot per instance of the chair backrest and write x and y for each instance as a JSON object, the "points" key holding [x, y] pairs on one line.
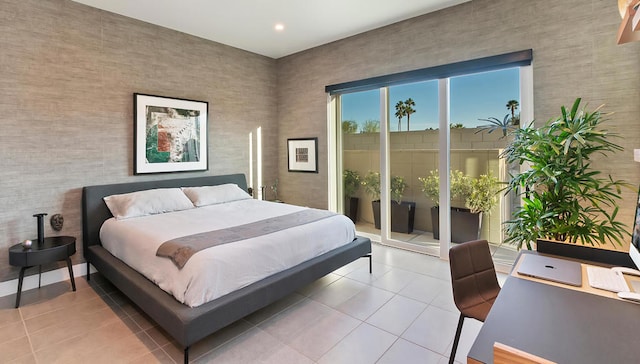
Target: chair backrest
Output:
{"points": [[473, 278], [504, 354]]}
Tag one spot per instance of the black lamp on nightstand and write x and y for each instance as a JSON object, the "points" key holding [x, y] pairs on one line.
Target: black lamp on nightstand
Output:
{"points": [[40, 218]]}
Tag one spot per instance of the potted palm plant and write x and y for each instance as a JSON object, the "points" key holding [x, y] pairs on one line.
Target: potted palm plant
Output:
{"points": [[351, 183], [504, 126], [477, 195], [563, 197], [402, 212]]}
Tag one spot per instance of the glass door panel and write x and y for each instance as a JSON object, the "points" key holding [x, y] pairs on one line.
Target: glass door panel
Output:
{"points": [[360, 120], [484, 108], [414, 151]]}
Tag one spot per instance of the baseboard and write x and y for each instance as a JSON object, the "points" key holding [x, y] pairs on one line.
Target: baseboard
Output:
{"points": [[54, 276]]}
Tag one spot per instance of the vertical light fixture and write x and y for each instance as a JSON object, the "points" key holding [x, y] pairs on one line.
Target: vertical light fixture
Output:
{"points": [[334, 161], [251, 159], [259, 162]]}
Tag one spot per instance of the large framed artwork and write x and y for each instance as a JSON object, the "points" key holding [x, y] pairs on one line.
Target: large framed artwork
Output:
{"points": [[170, 134], [303, 155]]}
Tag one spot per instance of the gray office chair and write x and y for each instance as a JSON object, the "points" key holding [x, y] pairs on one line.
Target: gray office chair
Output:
{"points": [[474, 282]]}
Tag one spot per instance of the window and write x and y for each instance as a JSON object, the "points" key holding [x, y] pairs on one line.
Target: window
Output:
{"points": [[455, 116]]}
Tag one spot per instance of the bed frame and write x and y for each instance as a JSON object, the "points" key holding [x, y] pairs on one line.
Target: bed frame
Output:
{"points": [[185, 324]]}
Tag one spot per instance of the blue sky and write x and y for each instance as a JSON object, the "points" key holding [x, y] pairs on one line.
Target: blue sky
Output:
{"points": [[473, 97]]}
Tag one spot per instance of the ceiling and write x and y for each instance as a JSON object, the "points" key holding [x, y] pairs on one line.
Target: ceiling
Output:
{"points": [[249, 24]]}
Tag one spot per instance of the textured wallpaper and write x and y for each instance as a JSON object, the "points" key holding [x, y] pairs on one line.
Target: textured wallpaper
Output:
{"points": [[574, 55], [67, 77]]}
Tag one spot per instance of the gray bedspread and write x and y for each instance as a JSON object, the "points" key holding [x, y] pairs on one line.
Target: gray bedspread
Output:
{"points": [[179, 250]]}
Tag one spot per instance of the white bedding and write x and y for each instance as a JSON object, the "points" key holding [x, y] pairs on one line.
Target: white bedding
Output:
{"points": [[216, 271]]}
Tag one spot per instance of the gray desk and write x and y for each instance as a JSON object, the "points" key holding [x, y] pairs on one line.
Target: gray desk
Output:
{"points": [[561, 325]]}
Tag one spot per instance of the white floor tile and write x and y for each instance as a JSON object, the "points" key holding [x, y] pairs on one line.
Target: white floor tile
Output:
{"points": [[338, 292], [425, 289], [389, 256], [420, 263], [395, 280], [434, 329], [289, 323], [317, 338], [355, 265], [364, 345], [397, 314], [438, 268], [444, 300], [253, 347], [365, 303], [404, 351], [362, 274], [274, 308]]}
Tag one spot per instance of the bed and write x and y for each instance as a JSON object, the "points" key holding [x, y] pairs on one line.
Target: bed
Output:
{"points": [[186, 324]]}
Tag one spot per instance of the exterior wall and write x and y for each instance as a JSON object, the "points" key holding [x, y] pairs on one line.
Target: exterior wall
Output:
{"points": [[67, 77], [414, 154], [574, 52]]}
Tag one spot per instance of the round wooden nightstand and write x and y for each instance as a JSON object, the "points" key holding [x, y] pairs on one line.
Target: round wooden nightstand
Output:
{"points": [[51, 250]]}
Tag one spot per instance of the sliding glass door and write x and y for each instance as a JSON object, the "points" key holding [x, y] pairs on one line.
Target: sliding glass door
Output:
{"points": [[419, 155], [359, 120], [413, 154], [485, 108]]}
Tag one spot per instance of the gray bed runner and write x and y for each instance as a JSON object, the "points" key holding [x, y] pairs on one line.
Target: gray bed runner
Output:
{"points": [[179, 250]]}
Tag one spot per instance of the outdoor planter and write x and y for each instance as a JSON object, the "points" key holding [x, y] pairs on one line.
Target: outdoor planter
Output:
{"points": [[465, 225], [351, 208], [402, 216]]}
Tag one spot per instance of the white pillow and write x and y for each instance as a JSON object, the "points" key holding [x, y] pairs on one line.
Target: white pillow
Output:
{"points": [[147, 202], [211, 195]]}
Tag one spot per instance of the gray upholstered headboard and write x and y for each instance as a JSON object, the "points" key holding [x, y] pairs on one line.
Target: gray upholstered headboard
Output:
{"points": [[95, 211]]}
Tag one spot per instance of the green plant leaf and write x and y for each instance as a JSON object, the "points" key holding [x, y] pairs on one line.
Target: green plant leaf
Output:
{"points": [[563, 197]]}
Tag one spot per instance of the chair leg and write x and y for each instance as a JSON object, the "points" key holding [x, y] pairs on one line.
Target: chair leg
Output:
{"points": [[456, 340]]}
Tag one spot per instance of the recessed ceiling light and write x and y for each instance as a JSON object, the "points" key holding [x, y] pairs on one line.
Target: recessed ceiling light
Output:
{"points": [[279, 27]]}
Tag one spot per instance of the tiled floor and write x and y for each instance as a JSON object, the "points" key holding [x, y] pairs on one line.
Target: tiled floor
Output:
{"points": [[402, 313], [503, 254]]}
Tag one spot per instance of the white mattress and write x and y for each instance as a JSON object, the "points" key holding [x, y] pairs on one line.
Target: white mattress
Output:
{"points": [[216, 271]]}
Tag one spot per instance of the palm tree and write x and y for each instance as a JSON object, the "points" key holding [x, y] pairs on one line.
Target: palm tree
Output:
{"points": [[495, 124], [408, 110], [513, 106], [400, 112]]}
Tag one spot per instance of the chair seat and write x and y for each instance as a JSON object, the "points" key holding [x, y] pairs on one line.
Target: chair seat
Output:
{"points": [[479, 311]]}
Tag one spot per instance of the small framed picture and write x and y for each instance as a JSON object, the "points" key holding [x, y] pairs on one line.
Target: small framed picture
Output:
{"points": [[303, 155], [170, 134]]}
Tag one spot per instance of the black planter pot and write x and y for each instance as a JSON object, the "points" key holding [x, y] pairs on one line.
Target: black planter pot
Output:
{"points": [[465, 225], [583, 252], [351, 208], [402, 216]]}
